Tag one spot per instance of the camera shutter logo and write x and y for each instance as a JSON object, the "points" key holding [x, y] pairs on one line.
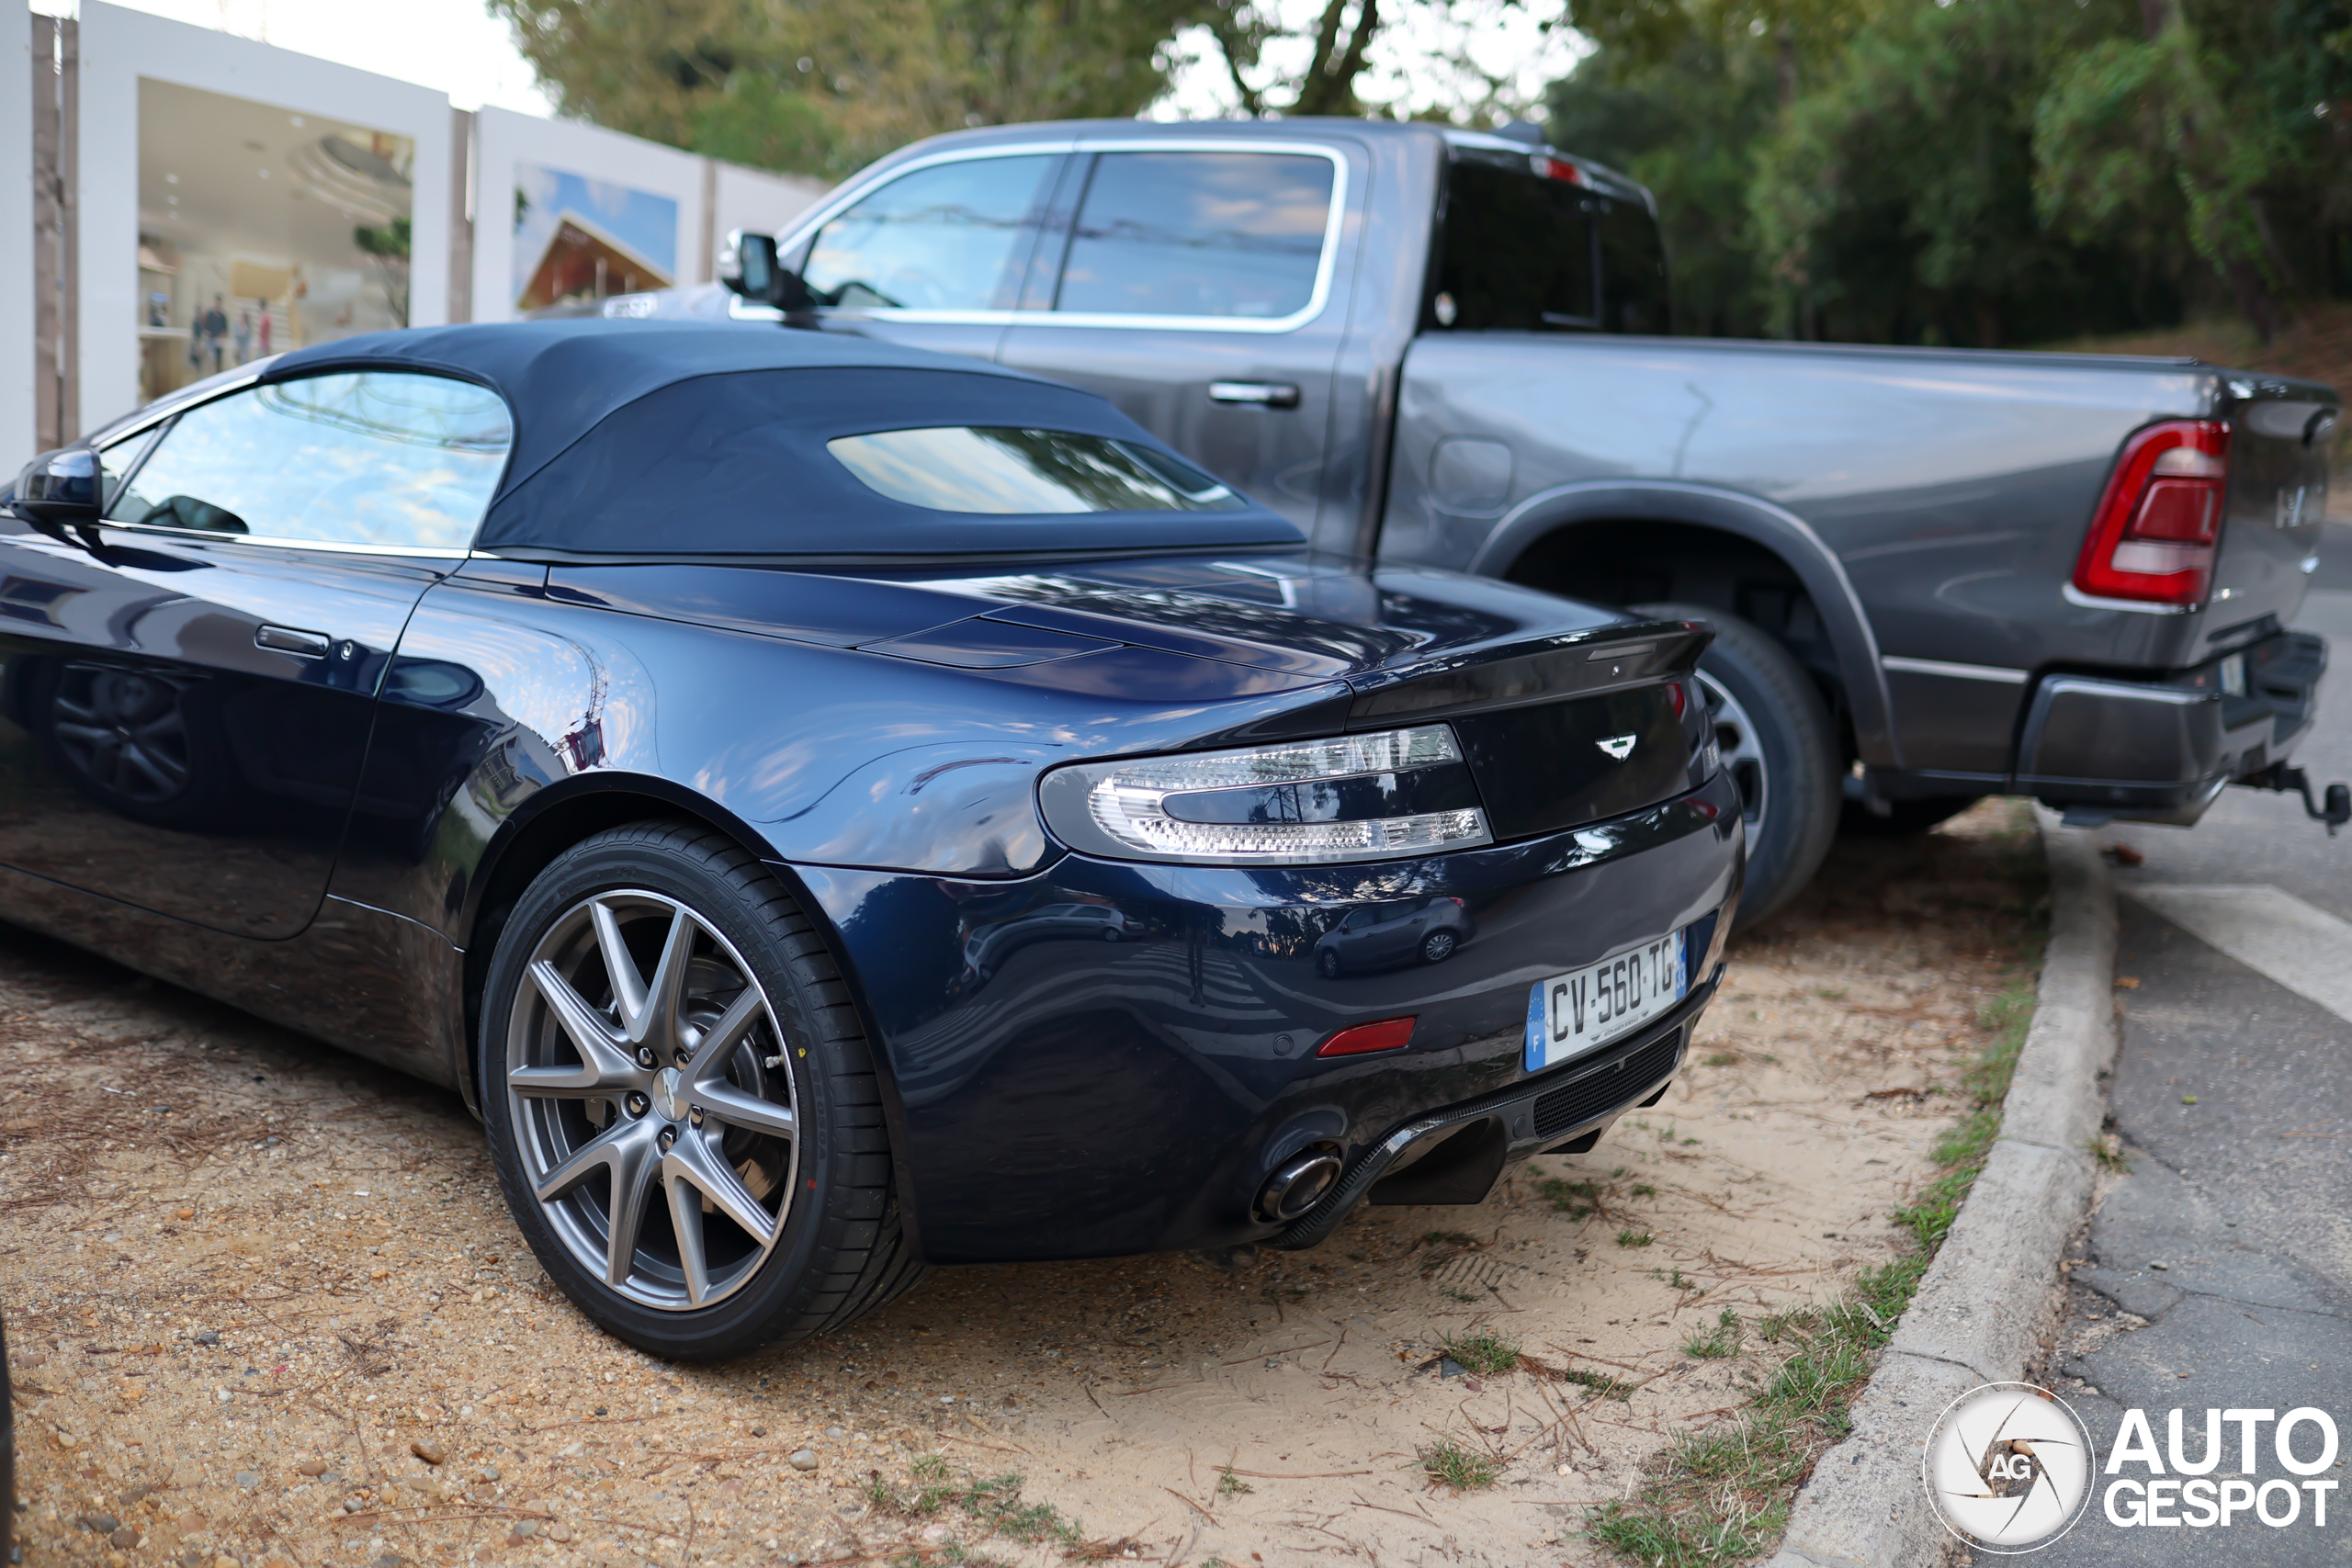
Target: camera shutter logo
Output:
{"points": [[2009, 1467]]}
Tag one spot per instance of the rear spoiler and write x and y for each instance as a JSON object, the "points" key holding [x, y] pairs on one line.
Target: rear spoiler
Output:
{"points": [[1512, 675]]}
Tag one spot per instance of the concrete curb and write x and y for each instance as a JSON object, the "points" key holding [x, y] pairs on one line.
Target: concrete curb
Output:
{"points": [[1977, 1312]]}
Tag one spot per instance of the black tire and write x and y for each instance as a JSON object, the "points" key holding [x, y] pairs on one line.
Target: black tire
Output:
{"points": [[1788, 770], [1327, 964], [1903, 818], [1438, 947], [839, 1251]]}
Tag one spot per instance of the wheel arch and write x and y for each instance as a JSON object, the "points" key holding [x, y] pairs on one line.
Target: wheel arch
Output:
{"points": [[577, 808], [555, 818], [1575, 510]]}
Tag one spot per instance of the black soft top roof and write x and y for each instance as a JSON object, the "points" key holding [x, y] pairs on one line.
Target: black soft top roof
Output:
{"points": [[693, 438]]}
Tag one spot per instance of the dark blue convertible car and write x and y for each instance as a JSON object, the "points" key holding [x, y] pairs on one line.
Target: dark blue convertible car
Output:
{"points": [[832, 809]]}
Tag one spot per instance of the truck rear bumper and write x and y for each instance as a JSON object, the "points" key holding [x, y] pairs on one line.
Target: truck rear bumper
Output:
{"points": [[2161, 750]]}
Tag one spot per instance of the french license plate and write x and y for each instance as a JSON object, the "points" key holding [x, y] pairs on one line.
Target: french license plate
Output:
{"points": [[1586, 1009]]}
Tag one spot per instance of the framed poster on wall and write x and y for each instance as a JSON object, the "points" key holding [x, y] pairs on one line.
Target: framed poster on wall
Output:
{"points": [[238, 201], [566, 214]]}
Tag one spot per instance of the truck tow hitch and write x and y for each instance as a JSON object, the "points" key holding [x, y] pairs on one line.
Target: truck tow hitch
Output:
{"points": [[2278, 776]]}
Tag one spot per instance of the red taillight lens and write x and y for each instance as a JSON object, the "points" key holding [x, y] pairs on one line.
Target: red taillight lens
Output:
{"points": [[2153, 537], [1388, 1034]]}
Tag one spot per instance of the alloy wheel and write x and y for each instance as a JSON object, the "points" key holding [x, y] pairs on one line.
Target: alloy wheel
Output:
{"points": [[1742, 750], [653, 1101]]}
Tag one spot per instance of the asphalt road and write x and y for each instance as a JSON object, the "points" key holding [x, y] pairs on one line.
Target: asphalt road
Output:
{"points": [[2218, 1273]]}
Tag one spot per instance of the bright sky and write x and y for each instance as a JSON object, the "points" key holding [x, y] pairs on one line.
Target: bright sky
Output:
{"points": [[1425, 56], [455, 46]]}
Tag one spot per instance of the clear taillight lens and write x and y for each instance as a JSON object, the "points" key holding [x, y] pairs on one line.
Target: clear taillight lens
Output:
{"points": [[1378, 796], [2157, 526]]}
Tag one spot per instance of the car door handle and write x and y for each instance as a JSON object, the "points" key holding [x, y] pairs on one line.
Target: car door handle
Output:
{"points": [[1261, 394], [286, 639]]}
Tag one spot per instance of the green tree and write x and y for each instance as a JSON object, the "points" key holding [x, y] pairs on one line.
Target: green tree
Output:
{"points": [[1896, 200], [822, 86], [2202, 130]]}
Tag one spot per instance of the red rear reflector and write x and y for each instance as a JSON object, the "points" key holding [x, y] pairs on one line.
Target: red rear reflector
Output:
{"points": [[2153, 536], [1388, 1034]]}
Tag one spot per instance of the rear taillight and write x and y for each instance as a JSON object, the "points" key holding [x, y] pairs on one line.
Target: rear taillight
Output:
{"points": [[2153, 536]]}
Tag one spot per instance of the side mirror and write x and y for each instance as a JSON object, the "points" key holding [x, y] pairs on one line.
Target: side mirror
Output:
{"points": [[62, 489], [749, 266]]}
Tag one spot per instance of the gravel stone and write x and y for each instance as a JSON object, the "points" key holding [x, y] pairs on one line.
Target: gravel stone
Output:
{"points": [[429, 1450], [249, 1479], [101, 1524], [208, 1338], [804, 1459]]}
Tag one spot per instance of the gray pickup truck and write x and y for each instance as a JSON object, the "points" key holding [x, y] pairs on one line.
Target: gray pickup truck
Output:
{"points": [[1934, 575]]}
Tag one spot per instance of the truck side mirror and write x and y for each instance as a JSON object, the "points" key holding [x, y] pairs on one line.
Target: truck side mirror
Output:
{"points": [[62, 489], [749, 268], [748, 265]]}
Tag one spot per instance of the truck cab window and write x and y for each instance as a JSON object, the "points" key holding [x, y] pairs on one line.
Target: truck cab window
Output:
{"points": [[1517, 255], [1632, 269], [950, 237], [1524, 253], [1199, 234]]}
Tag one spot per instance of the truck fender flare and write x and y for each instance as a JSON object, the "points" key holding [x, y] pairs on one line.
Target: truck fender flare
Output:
{"points": [[1776, 528]]}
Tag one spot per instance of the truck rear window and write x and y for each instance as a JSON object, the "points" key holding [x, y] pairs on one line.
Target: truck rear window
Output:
{"points": [[1525, 253]]}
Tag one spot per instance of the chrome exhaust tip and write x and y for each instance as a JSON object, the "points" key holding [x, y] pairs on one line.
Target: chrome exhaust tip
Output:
{"points": [[1298, 1185]]}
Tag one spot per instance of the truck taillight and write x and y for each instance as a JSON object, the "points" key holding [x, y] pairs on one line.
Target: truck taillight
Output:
{"points": [[2153, 536]]}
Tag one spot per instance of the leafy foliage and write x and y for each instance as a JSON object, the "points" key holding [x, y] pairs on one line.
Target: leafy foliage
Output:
{"points": [[1979, 172], [822, 86]]}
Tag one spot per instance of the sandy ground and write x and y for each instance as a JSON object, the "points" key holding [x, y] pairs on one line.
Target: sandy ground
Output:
{"points": [[247, 1281]]}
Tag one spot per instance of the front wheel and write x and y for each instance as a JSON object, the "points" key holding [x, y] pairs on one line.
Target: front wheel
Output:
{"points": [[1781, 748], [1437, 947], [683, 1109]]}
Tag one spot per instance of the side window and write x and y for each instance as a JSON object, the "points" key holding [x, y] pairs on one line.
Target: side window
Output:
{"points": [[1518, 253], [116, 459], [1633, 271], [1199, 234], [951, 237], [372, 458]]}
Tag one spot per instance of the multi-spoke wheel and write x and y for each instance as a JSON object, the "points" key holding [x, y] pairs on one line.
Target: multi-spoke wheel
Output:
{"points": [[680, 1101]]}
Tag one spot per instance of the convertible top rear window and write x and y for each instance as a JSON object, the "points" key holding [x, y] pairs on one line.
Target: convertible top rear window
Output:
{"points": [[993, 470], [868, 463]]}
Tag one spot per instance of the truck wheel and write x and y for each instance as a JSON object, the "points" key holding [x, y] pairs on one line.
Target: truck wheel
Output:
{"points": [[1778, 746], [683, 1109]]}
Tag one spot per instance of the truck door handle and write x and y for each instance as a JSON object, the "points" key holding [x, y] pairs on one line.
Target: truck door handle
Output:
{"points": [[286, 639], [1261, 394]]}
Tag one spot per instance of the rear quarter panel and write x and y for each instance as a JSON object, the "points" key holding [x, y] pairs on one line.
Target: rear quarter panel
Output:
{"points": [[1953, 488]]}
